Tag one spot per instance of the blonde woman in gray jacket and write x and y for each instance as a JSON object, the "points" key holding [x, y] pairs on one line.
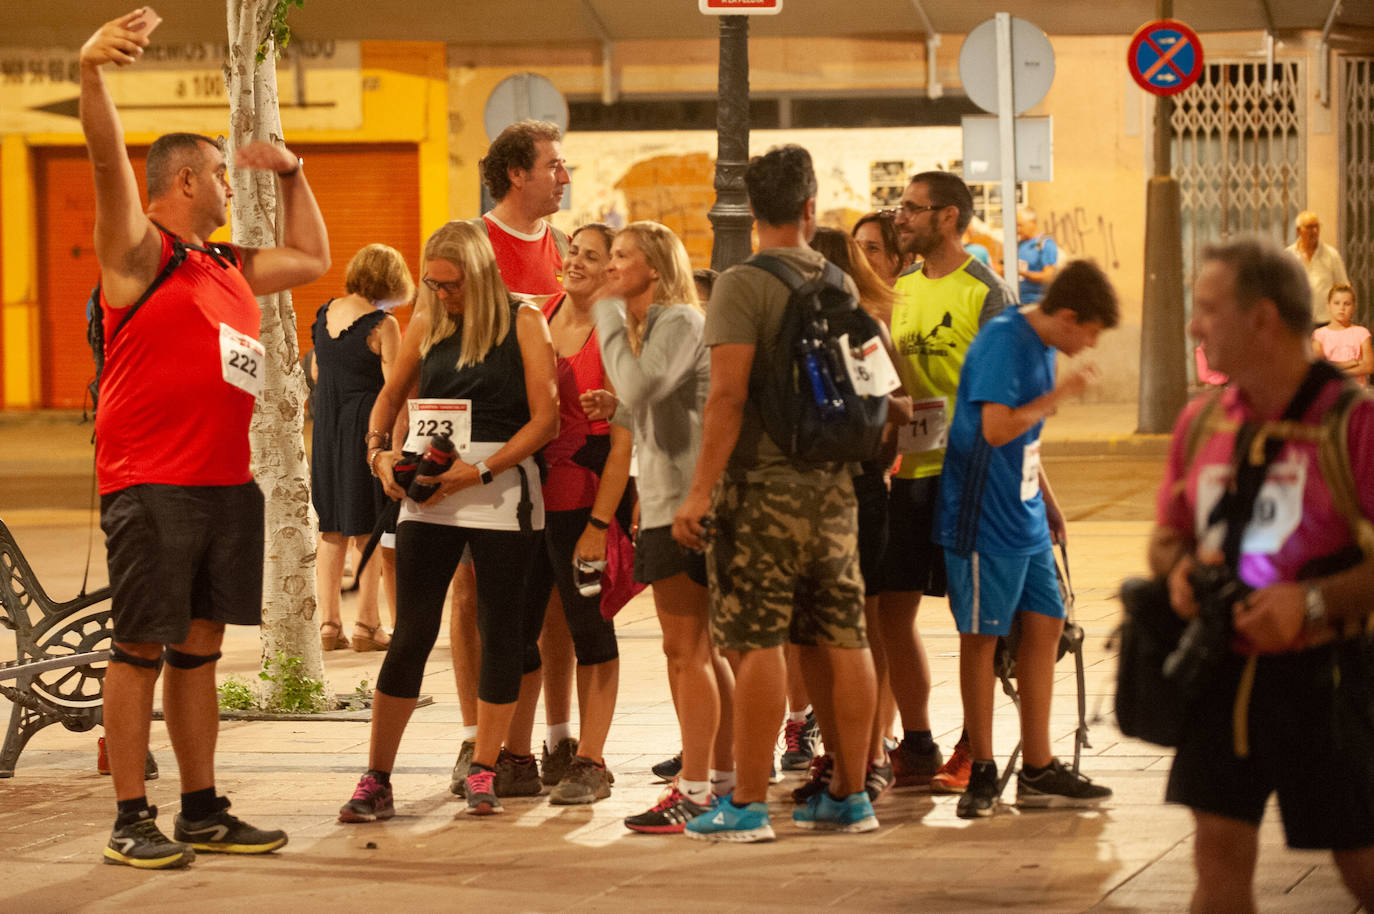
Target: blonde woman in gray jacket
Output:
{"points": [[650, 329]]}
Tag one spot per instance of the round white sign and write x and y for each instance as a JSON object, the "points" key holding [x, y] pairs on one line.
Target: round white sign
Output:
{"points": [[1032, 65]]}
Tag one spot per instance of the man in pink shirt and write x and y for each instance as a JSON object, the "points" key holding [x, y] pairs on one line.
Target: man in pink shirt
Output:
{"points": [[1284, 709]]}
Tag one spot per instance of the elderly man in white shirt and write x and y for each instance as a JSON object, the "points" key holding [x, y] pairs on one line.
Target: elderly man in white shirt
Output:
{"points": [[1321, 261]]}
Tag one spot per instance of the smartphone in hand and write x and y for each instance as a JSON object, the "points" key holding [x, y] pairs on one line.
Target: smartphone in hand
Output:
{"points": [[146, 21]]}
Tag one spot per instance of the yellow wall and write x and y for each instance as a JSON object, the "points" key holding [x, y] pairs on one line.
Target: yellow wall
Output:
{"points": [[405, 99]]}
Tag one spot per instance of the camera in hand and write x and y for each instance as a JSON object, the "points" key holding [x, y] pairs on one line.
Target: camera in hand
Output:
{"points": [[437, 458], [1208, 635]]}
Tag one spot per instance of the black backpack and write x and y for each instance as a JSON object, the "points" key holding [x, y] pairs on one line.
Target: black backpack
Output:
{"points": [[223, 254], [805, 394]]}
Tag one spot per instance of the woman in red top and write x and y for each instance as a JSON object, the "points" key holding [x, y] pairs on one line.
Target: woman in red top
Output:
{"points": [[588, 467]]}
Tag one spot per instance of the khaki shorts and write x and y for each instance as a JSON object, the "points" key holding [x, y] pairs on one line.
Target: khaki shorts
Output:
{"points": [[783, 565]]}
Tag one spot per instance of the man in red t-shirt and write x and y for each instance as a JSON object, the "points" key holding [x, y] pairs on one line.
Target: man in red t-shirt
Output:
{"points": [[179, 507], [1286, 709]]}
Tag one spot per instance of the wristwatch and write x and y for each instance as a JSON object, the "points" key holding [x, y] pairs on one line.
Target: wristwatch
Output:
{"points": [[1315, 613], [484, 472]]}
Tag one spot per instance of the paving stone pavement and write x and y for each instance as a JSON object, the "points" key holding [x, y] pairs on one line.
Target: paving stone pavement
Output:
{"points": [[1132, 855]]}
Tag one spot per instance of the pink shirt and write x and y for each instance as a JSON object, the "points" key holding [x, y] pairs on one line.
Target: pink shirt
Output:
{"points": [[1342, 345], [1295, 519]]}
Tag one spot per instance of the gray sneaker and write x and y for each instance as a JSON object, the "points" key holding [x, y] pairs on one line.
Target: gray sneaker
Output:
{"points": [[460, 767], [585, 782], [142, 844], [554, 765], [517, 776]]}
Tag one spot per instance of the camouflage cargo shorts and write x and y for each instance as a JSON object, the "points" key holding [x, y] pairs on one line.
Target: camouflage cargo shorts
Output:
{"points": [[783, 565]]}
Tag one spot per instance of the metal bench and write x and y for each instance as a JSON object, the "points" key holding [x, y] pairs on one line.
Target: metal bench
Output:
{"points": [[58, 676]]}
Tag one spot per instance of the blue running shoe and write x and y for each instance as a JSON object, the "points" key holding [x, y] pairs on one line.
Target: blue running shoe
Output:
{"points": [[824, 813], [728, 822]]}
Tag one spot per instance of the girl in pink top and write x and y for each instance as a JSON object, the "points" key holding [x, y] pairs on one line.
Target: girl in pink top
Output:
{"points": [[1341, 342]]}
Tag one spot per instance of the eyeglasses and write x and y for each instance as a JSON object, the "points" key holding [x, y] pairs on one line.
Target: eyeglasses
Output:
{"points": [[448, 288], [913, 209]]}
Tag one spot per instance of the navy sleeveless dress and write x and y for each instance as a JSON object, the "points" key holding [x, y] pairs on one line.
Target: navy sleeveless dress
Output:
{"points": [[346, 496]]}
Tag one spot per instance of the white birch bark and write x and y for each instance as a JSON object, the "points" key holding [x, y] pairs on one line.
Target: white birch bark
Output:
{"points": [[279, 463]]}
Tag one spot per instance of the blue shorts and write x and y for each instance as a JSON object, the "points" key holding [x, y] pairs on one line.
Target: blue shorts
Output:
{"points": [[986, 591]]}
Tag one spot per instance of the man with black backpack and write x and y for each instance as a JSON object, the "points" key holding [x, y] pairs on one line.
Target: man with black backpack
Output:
{"points": [[782, 549], [182, 516], [1263, 524]]}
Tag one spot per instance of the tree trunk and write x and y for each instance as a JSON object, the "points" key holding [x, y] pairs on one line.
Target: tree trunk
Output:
{"points": [[279, 464]]}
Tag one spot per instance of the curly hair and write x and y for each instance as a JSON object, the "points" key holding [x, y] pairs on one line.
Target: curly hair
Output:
{"points": [[514, 148]]}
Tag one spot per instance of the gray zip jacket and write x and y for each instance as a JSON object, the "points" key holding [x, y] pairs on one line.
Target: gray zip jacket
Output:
{"points": [[662, 397]]}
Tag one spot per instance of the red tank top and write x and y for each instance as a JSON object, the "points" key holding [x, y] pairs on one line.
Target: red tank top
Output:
{"points": [[531, 268], [570, 485], [166, 413]]}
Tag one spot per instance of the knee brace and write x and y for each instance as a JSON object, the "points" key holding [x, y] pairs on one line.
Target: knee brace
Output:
{"points": [[177, 659], [118, 655]]}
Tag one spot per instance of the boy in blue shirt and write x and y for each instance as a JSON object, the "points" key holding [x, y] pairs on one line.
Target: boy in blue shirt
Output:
{"points": [[998, 519]]}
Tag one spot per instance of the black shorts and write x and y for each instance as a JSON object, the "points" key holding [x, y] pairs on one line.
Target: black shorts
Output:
{"points": [[178, 553], [593, 636], [870, 489], [1311, 740], [911, 562], [658, 556]]}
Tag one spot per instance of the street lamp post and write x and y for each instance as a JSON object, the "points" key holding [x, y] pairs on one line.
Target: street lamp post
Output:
{"points": [[730, 216]]}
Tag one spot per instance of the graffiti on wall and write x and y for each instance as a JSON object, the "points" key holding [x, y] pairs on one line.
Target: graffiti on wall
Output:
{"points": [[668, 176], [1080, 235]]}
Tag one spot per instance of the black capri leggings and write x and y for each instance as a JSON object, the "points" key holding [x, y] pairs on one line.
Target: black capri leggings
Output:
{"points": [[593, 637], [508, 620]]}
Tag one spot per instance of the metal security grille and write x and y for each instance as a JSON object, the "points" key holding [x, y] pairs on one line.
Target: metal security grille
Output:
{"points": [[1240, 156], [1357, 178]]}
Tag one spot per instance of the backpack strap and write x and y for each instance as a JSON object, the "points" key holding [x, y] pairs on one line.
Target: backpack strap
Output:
{"points": [[178, 257], [790, 276], [560, 240], [1333, 459]]}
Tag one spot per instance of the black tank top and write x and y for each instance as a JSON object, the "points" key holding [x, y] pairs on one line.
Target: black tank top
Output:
{"points": [[496, 385]]}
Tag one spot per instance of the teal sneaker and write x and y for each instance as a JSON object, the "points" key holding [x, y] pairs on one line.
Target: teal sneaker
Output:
{"points": [[824, 813], [728, 822]]}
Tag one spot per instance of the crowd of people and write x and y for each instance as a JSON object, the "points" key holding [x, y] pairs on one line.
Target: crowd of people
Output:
{"points": [[586, 414]]}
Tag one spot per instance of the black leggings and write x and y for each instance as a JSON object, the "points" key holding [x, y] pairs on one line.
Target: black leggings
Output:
{"points": [[508, 620], [593, 637]]}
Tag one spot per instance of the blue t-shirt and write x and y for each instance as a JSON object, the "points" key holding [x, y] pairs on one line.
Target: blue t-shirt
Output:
{"points": [[1038, 253], [990, 499]]}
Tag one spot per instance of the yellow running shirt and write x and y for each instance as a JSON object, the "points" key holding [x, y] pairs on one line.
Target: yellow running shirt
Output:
{"points": [[933, 322]]}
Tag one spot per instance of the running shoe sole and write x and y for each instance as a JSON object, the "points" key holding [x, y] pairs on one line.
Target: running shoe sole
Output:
{"points": [[216, 847], [352, 815], [1057, 801], [170, 862], [738, 836], [868, 823]]}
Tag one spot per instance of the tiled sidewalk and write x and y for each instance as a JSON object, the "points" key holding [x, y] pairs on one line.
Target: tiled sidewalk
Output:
{"points": [[1134, 855]]}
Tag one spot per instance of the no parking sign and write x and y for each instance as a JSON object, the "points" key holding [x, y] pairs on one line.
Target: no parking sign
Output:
{"points": [[1165, 57]]}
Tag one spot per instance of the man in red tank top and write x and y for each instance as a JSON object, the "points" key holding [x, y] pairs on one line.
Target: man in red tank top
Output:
{"points": [[179, 506]]}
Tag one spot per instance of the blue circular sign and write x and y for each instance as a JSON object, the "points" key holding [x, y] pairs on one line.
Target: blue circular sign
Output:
{"points": [[1165, 57]]}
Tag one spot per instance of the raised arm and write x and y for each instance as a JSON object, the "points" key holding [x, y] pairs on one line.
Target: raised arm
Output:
{"points": [[664, 362], [127, 244], [304, 253]]}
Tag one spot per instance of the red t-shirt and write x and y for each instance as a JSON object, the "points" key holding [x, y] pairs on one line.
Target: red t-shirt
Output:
{"points": [[167, 414], [570, 485], [529, 266]]}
